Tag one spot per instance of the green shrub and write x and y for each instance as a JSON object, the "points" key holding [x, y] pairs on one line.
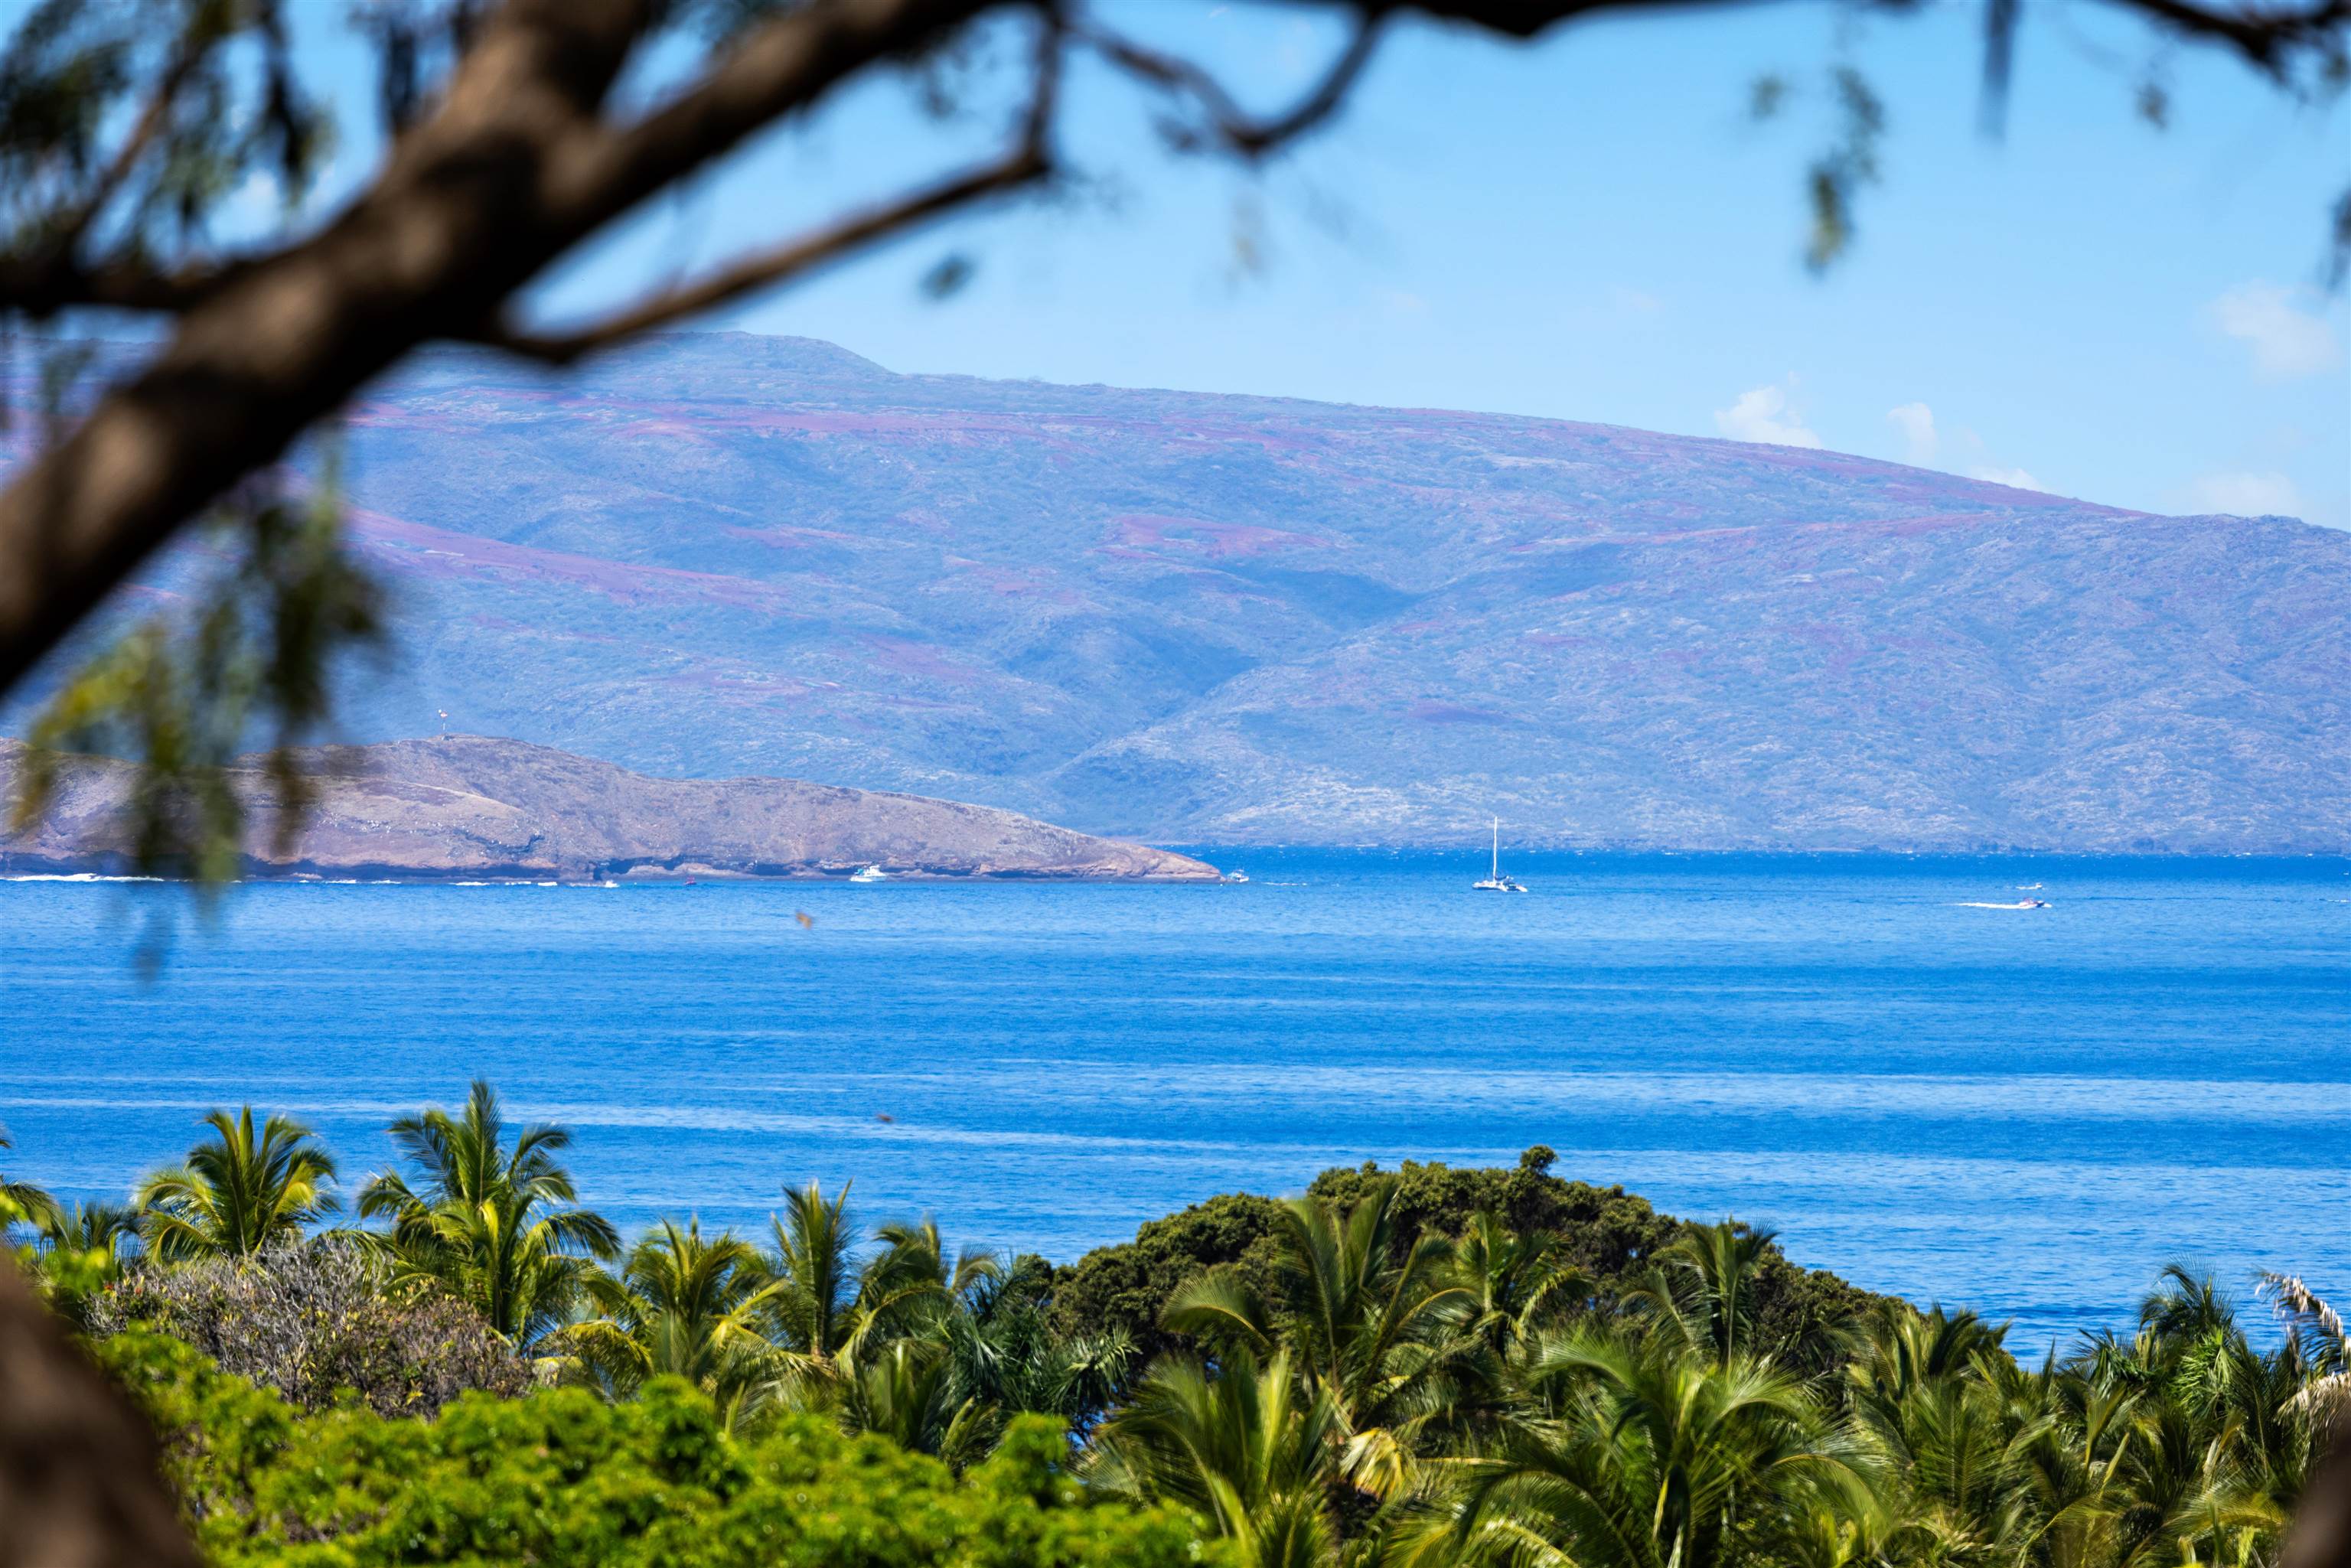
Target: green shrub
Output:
{"points": [[1124, 1288], [1608, 1232], [560, 1478]]}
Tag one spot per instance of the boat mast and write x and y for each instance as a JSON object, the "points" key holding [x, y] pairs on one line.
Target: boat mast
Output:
{"points": [[1497, 850]]}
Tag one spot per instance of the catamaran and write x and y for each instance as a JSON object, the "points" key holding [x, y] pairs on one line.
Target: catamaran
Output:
{"points": [[1495, 881]]}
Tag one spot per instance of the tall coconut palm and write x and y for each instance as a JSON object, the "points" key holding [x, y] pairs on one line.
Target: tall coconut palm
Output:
{"points": [[1702, 1286], [814, 1265], [490, 1221], [1927, 1405], [1000, 1351], [910, 1285], [238, 1190], [907, 1390], [2074, 1480], [1509, 1289], [1368, 1316], [1664, 1458], [93, 1230], [78, 1252], [22, 1203], [1253, 1448], [2186, 1308], [1514, 1284], [683, 1305], [1899, 1350]]}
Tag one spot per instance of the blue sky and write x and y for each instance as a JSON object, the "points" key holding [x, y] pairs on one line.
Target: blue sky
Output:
{"points": [[1592, 228]]}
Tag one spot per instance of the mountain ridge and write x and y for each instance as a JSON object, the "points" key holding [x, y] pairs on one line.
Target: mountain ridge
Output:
{"points": [[1209, 619]]}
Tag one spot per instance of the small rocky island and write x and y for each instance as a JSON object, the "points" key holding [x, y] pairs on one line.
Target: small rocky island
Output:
{"points": [[472, 808]]}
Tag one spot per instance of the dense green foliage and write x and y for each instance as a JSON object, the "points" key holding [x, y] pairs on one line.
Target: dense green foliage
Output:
{"points": [[563, 1477], [1426, 1366], [1607, 1234]]}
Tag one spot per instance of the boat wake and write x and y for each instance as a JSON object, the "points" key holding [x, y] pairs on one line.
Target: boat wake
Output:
{"points": [[2025, 903]]}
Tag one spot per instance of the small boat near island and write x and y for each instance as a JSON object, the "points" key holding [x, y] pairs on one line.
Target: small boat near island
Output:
{"points": [[1495, 881], [870, 873], [1235, 875]]}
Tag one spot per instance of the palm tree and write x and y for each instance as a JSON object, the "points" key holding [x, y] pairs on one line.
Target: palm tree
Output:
{"points": [[2076, 1480], [1702, 1286], [490, 1222], [1664, 1458], [933, 1355], [1901, 1350], [22, 1202], [79, 1253], [907, 1390], [814, 1266], [1371, 1318], [682, 1306], [1928, 1404], [237, 1192], [909, 1287], [2185, 1308], [1254, 1449], [92, 1229], [1002, 1351], [1515, 1284]]}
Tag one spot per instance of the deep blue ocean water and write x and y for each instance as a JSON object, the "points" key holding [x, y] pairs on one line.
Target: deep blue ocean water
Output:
{"points": [[2025, 1112]]}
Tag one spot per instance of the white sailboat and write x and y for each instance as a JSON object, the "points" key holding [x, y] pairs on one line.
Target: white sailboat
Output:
{"points": [[1495, 881]]}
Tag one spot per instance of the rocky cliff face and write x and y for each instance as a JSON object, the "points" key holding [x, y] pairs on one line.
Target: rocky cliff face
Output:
{"points": [[1229, 619], [464, 806]]}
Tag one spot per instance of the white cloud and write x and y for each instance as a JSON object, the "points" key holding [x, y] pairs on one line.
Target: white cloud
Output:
{"points": [[1765, 414], [1635, 301], [2287, 339], [1916, 422], [2270, 494], [2014, 479]]}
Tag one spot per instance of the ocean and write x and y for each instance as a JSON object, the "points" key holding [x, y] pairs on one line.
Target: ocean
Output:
{"points": [[2027, 1112]]}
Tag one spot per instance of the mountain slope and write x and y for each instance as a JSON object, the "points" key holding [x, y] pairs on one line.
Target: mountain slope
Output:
{"points": [[1225, 619], [469, 806]]}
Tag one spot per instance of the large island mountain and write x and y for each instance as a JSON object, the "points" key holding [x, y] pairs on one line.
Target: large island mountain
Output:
{"points": [[1211, 619], [469, 807]]}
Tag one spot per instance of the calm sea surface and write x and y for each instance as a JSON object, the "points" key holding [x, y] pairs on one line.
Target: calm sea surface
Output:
{"points": [[2027, 1112]]}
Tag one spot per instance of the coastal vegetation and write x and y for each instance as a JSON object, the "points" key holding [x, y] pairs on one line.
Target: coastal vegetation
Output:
{"points": [[1421, 1367]]}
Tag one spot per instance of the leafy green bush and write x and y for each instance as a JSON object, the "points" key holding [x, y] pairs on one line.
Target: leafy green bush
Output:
{"points": [[561, 1477], [1124, 1288], [1611, 1234]]}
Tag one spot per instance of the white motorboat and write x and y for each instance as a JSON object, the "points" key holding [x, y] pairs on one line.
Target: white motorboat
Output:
{"points": [[1495, 881], [870, 873]]}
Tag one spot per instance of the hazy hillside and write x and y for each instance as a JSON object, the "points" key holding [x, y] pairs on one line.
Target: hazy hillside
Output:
{"points": [[1221, 618], [468, 806]]}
